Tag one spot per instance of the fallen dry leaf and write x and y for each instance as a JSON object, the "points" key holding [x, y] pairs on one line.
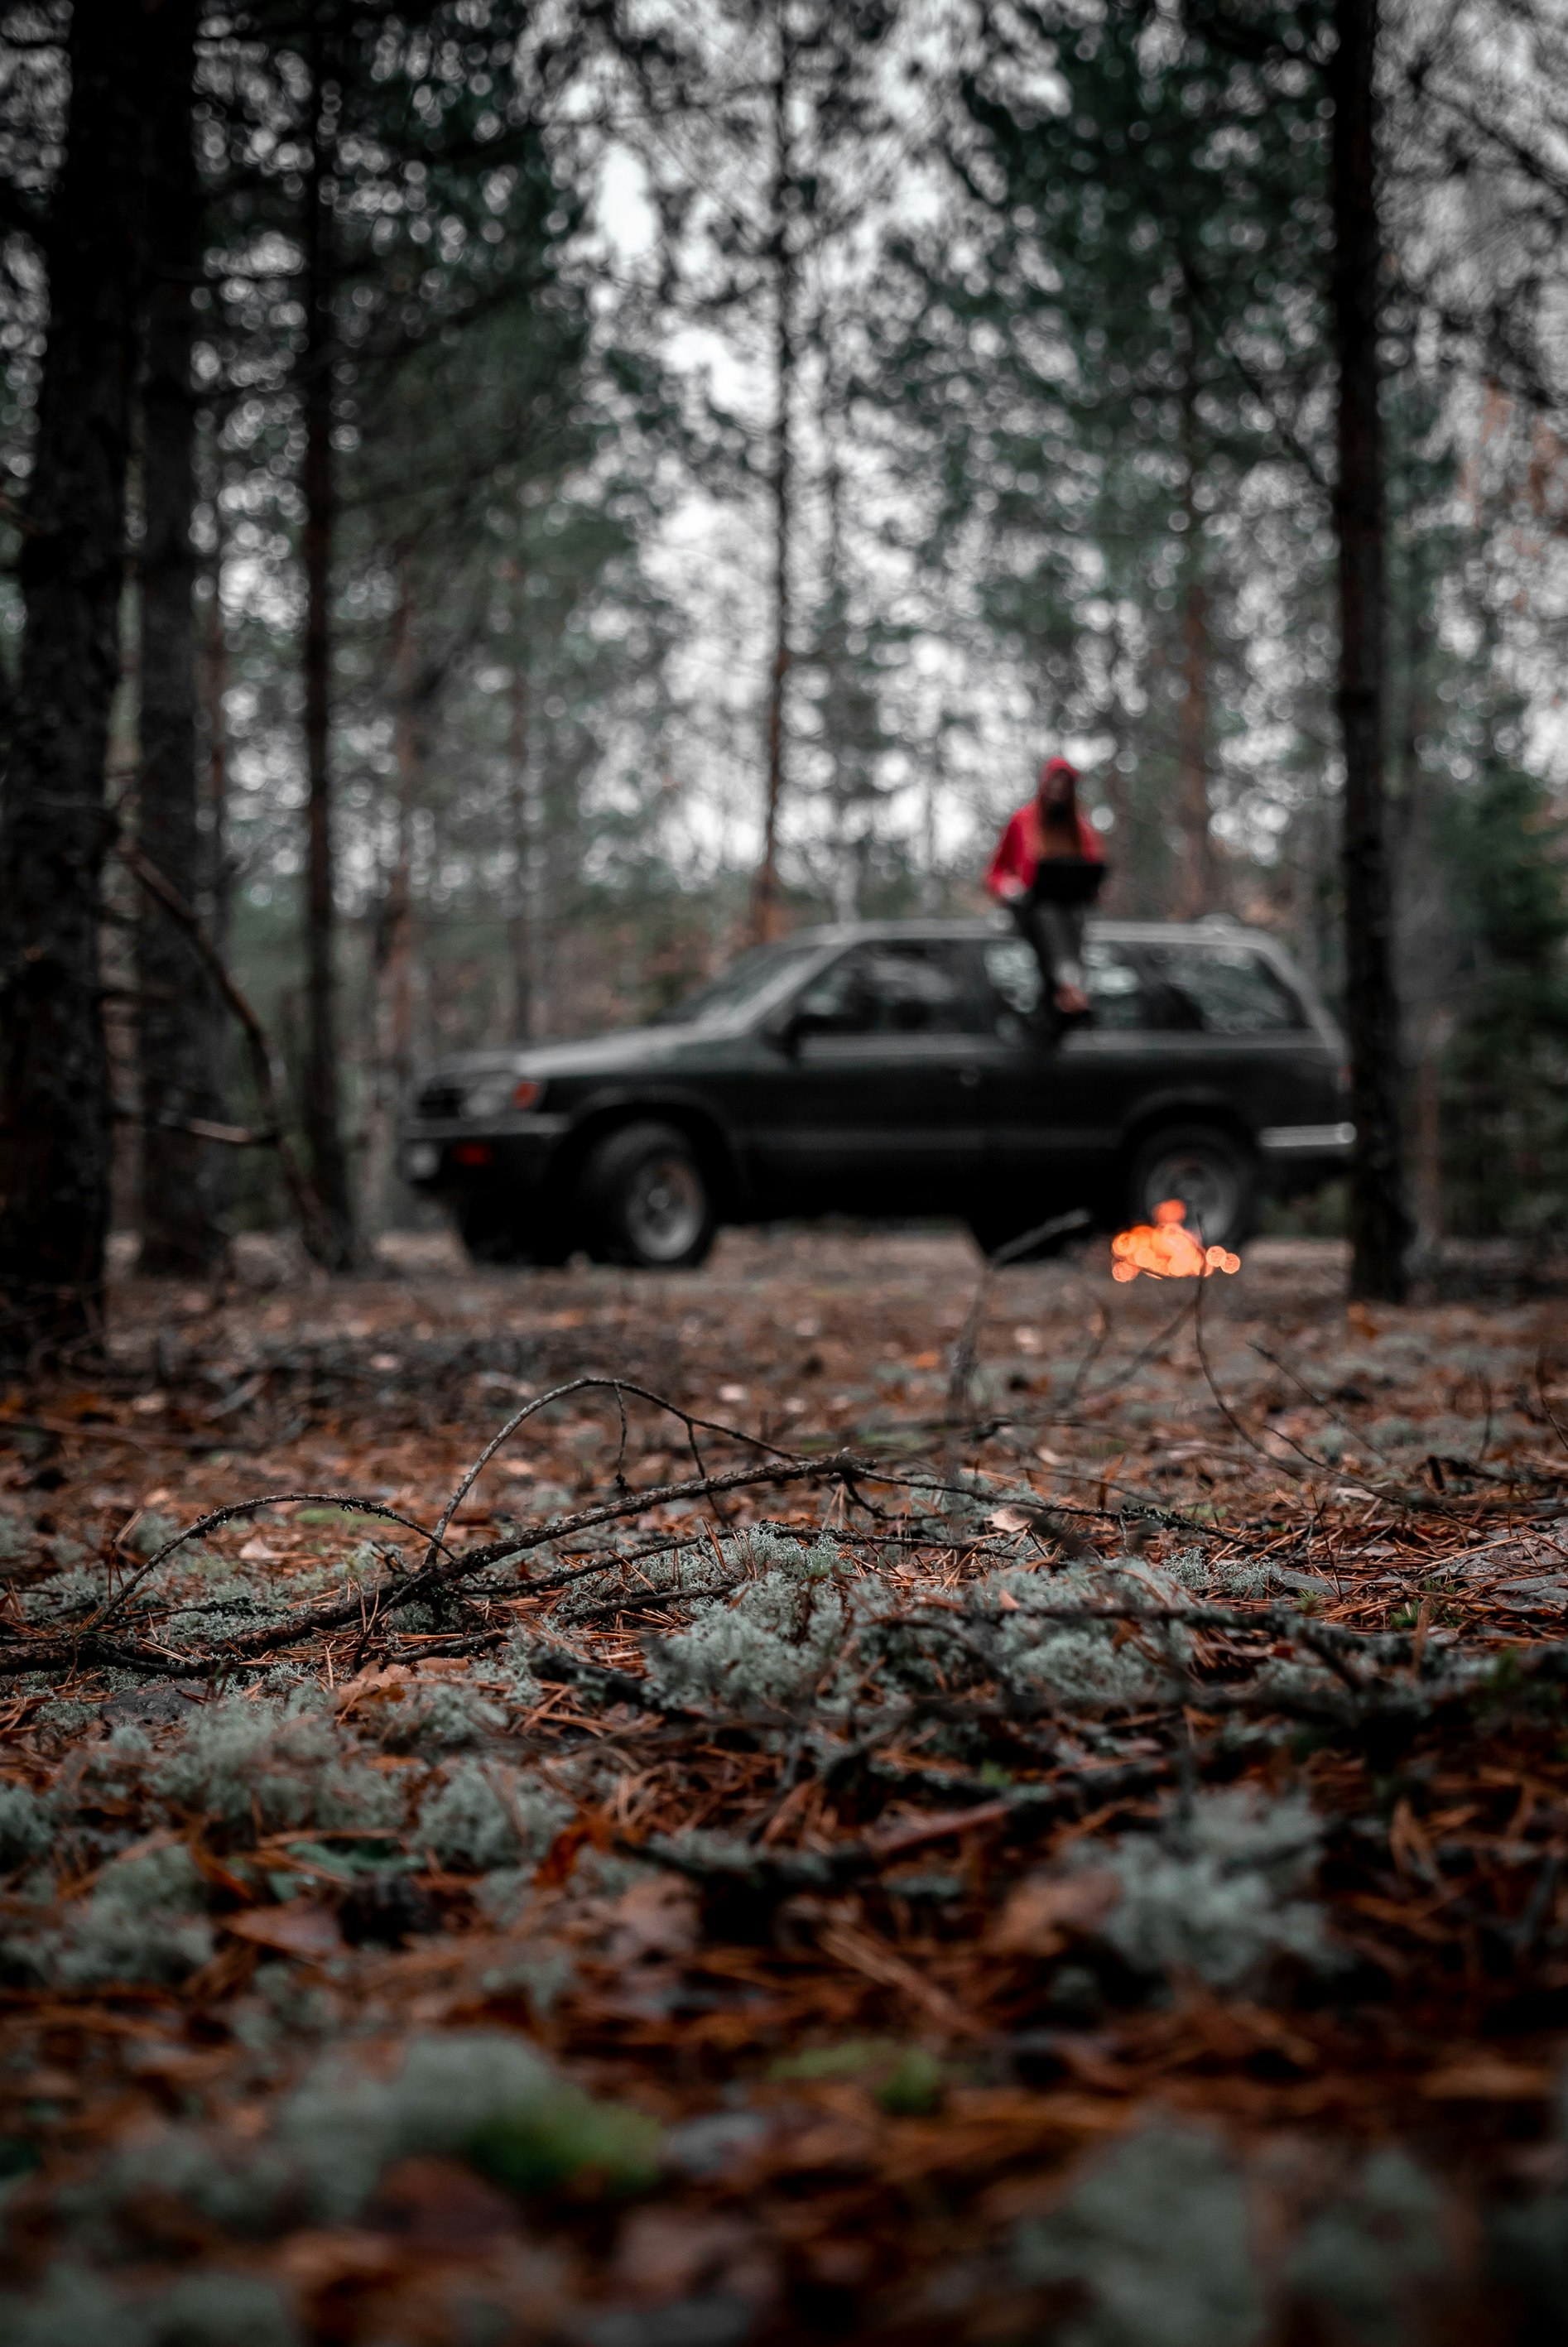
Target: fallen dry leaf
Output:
{"points": [[1044, 1911], [1484, 2078], [671, 2253], [301, 1927]]}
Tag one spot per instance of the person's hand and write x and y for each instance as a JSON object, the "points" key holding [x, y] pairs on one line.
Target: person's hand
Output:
{"points": [[1071, 1001], [1010, 888]]}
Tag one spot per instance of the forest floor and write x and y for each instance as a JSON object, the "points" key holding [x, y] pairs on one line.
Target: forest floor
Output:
{"points": [[996, 1810]]}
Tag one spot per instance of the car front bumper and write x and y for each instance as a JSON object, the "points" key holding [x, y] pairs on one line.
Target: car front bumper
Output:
{"points": [[441, 1158]]}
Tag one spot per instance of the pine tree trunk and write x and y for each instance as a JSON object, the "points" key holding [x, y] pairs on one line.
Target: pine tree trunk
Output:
{"points": [[181, 1236], [518, 942], [215, 726], [1197, 889], [1117, 895], [400, 911], [321, 1101], [391, 988], [765, 899], [1380, 1223], [54, 1129]]}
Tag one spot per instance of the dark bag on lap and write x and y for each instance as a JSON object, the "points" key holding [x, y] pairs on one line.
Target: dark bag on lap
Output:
{"points": [[1066, 880]]}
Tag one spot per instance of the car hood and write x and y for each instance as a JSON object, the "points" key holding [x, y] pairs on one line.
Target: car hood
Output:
{"points": [[628, 1048]]}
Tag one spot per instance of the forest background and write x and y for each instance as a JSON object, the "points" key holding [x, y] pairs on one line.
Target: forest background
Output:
{"points": [[633, 478]]}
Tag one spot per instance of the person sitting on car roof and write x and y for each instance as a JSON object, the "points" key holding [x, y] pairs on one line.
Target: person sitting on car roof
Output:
{"points": [[1047, 870]]}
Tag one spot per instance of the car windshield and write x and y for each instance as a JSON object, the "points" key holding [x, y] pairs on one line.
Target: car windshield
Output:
{"points": [[744, 982]]}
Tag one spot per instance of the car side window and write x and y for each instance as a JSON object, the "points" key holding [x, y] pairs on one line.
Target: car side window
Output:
{"points": [[1118, 997], [1014, 976], [1224, 989], [1117, 994], [896, 988]]}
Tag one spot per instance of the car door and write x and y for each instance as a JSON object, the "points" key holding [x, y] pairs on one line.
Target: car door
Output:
{"points": [[879, 1110], [1055, 1110], [1234, 1031]]}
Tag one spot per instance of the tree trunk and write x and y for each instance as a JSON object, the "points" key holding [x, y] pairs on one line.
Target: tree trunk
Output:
{"points": [[322, 1102], [1429, 1132], [181, 1236], [392, 997], [519, 943], [214, 686], [1195, 890], [1380, 1223], [765, 899], [54, 1129], [1117, 896]]}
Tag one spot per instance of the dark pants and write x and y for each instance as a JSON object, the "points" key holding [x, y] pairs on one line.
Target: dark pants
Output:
{"points": [[1055, 937]]}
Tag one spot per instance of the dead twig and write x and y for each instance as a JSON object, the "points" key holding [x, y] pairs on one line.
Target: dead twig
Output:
{"points": [[308, 1212]]}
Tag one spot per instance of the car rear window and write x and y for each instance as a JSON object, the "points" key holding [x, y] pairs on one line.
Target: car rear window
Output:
{"points": [[1223, 990]]}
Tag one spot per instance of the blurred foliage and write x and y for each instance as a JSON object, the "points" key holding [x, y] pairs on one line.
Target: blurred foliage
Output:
{"points": [[1505, 1073]]}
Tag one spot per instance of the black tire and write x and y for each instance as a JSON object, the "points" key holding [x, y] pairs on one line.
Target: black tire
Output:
{"points": [[646, 1200], [493, 1232], [1209, 1169]]}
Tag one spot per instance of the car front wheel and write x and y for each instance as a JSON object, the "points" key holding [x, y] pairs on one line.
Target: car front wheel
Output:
{"points": [[1209, 1170], [646, 1200]]}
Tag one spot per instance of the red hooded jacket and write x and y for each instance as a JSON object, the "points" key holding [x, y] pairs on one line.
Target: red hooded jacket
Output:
{"points": [[1019, 850]]}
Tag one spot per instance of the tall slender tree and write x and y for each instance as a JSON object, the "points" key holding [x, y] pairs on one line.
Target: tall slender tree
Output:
{"points": [[323, 1102], [182, 1231], [55, 1116], [1380, 1220], [782, 268]]}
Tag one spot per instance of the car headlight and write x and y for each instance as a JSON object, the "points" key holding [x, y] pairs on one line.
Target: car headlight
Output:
{"points": [[497, 1094]]}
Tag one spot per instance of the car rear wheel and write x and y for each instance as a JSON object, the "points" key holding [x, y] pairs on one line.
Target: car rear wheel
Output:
{"points": [[646, 1200], [1208, 1169]]}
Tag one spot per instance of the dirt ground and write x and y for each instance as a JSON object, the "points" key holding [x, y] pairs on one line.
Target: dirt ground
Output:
{"points": [[1019, 1807]]}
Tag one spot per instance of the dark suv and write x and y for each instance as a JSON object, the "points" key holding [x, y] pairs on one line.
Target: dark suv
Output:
{"points": [[897, 1068]]}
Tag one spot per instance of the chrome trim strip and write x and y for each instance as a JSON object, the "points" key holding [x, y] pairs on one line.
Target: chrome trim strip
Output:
{"points": [[1285, 1137]]}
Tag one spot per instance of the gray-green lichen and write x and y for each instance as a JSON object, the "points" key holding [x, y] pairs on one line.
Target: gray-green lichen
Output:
{"points": [[1155, 2236], [1083, 1664], [246, 1760], [489, 1815], [481, 2094], [25, 1830], [1216, 1892], [198, 2310], [1369, 2256], [141, 1925], [439, 1719], [806, 1631], [767, 1648]]}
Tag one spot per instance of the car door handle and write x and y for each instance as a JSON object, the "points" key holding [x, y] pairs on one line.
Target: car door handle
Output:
{"points": [[969, 1077]]}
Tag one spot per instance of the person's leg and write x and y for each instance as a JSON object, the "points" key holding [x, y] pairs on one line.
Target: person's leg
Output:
{"points": [[1061, 928], [1028, 921]]}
